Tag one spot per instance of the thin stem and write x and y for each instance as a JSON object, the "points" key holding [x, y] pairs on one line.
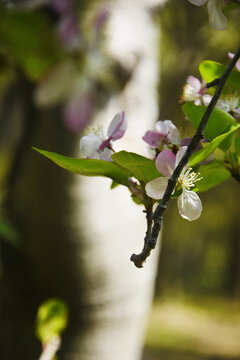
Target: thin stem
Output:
{"points": [[151, 240], [147, 247], [215, 82]]}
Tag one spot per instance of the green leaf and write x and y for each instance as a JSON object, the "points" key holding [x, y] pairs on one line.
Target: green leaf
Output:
{"points": [[202, 154], [211, 70], [52, 317], [141, 168], [113, 185], [89, 167], [212, 174], [218, 123]]}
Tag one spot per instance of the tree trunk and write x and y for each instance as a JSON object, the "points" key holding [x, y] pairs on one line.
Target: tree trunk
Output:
{"points": [[77, 234]]}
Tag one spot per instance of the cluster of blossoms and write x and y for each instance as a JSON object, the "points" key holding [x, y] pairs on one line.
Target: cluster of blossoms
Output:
{"points": [[195, 91], [166, 133], [189, 204], [97, 145], [165, 137]]}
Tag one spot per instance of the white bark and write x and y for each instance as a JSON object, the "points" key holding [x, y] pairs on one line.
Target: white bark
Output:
{"points": [[120, 294]]}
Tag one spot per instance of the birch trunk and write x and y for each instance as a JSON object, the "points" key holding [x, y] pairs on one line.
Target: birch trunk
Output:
{"points": [[79, 235]]}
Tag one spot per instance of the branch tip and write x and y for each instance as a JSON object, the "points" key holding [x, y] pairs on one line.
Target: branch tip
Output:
{"points": [[136, 259]]}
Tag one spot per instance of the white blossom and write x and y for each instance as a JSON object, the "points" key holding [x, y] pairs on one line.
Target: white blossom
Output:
{"points": [[189, 204]]}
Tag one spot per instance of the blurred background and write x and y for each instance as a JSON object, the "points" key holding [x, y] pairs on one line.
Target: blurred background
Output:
{"points": [[196, 311], [56, 74]]}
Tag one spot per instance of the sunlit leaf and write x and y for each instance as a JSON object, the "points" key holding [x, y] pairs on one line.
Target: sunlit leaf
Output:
{"points": [[211, 70], [89, 167], [218, 123], [202, 154], [141, 168], [212, 174]]}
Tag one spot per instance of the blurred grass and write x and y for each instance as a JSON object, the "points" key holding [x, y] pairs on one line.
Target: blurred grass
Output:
{"points": [[196, 328]]}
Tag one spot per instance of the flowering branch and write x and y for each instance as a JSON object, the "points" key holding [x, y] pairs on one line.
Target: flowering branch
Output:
{"points": [[151, 236]]}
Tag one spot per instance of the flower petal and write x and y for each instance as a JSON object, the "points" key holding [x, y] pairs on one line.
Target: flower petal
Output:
{"points": [[173, 133], [186, 142], [106, 154], [223, 105], [89, 145], [165, 162], [206, 99], [161, 127], [189, 205], [168, 129], [118, 126], [189, 94], [216, 17], [231, 55], [194, 83], [156, 188], [154, 138], [198, 2], [179, 156]]}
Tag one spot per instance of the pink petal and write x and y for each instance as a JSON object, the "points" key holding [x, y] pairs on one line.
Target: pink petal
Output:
{"points": [[198, 2], [231, 55], [194, 83], [105, 144], [189, 205], [154, 138], [101, 17], [186, 142], [237, 113], [118, 126], [155, 189], [165, 162], [69, 31], [60, 6]]}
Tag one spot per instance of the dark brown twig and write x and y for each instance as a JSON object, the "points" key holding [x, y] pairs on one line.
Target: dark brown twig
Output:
{"points": [[139, 261], [151, 239]]}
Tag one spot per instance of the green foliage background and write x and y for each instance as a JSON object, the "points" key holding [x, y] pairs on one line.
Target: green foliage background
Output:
{"points": [[201, 257]]}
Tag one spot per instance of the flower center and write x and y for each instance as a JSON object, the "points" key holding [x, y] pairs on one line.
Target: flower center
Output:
{"points": [[187, 180], [97, 130], [233, 103]]}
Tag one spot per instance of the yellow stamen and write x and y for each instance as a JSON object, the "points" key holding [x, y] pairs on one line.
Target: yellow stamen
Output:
{"points": [[187, 180]]}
